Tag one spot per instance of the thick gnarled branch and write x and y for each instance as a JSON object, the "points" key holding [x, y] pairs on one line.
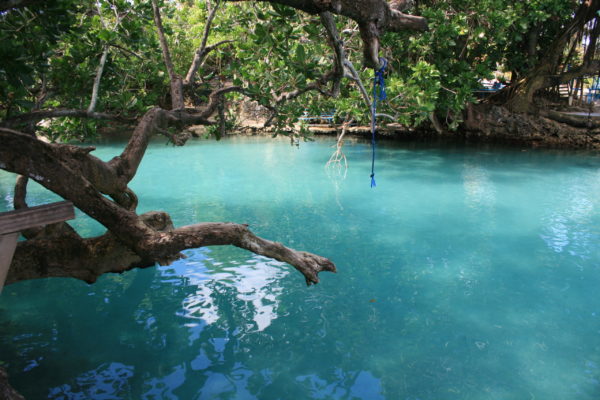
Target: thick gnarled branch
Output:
{"points": [[210, 234], [61, 257]]}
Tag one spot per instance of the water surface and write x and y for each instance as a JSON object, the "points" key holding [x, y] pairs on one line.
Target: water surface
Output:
{"points": [[465, 274]]}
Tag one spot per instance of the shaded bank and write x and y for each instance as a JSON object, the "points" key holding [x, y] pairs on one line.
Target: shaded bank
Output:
{"points": [[483, 123]]}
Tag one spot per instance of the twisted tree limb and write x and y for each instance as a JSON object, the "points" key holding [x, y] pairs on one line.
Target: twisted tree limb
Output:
{"points": [[78, 176]]}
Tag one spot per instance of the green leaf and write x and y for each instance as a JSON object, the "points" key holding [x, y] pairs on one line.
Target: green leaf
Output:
{"points": [[300, 54], [104, 35]]}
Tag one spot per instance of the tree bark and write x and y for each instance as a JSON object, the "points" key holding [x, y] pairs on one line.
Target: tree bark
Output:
{"points": [[203, 50]]}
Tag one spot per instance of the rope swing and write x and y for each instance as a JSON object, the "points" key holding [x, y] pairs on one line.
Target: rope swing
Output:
{"points": [[378, 92]]}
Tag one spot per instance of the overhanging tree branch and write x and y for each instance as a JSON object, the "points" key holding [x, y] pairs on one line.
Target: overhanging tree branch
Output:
{"points": [[49, 165], [373, 17]]}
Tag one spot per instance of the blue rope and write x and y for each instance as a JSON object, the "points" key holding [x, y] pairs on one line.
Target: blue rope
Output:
{"points": [[378, 83]]}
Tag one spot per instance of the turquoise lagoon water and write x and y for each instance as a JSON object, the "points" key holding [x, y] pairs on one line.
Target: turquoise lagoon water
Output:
{"points": [[465, 274]]}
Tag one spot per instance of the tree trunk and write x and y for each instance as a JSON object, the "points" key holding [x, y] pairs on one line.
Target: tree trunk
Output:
{"points": [[96, 88], [521, 94]]}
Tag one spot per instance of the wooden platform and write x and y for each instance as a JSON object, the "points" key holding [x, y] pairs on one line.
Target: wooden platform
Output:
{"points": [[13, 222]]}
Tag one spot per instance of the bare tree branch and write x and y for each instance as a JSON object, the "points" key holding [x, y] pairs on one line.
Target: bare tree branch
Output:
{"points": [[356, 78], [338, 47], [203, 50], [125, 50], [343, 66], [176, 83], [50, 165], [96, 87], [106, 254]]}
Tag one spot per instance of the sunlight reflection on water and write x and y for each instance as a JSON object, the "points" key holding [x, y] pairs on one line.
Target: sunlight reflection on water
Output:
{"points": [[257, 283]]}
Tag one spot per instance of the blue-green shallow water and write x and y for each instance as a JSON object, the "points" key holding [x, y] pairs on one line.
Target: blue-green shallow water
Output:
{"points": [[466, 274]]}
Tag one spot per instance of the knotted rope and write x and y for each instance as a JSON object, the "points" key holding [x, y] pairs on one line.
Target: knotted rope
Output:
{"points": [[378, 83]]}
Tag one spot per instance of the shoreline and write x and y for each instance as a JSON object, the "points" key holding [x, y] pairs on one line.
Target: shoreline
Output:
{"points": [[490, 125]]}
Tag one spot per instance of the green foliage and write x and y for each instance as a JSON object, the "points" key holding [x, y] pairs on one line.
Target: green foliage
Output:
{"points": [[56, 57], [28, 39], [51, 52]]}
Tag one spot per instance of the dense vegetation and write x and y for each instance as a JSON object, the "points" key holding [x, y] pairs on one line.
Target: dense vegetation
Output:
{"points": [[52, 52]]}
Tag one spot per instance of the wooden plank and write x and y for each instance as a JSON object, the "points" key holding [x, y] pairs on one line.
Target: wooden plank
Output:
{"points": [[18, 220], [8, 243]]}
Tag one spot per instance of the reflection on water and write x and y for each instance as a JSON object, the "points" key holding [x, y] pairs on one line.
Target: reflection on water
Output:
{"points": [[256, 283], [465, 274], [108, 381], [569, 224], [361, 385], [479, 189]]}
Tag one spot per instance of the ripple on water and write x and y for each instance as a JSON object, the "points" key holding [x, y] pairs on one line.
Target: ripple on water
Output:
{"points": [[465, 274]]}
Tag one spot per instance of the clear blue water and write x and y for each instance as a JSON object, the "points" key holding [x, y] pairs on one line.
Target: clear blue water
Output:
{"points": [[466, 274]]}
